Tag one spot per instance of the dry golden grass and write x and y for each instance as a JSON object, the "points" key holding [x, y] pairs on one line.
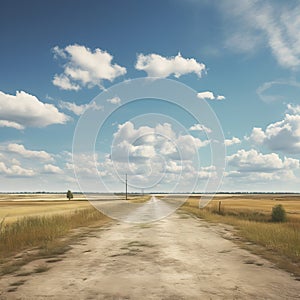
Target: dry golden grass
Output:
{"points": [[251, 215], [14, 206], [40, 230], [40, 225], [12, 210], [41, 237], [26, 221], [261, 203]]}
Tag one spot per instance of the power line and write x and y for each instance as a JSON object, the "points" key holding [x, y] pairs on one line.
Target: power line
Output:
{"points": [[126, 187]]}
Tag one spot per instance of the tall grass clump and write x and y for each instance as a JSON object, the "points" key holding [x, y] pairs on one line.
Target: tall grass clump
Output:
{"points": [[283, 238], [38, 231]]}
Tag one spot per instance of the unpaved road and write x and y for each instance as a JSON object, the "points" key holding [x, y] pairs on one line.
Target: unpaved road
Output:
{"points": [[179, 257]]}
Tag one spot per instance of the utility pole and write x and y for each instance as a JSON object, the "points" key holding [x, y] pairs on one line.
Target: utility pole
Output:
{"points": [[126, 187]]}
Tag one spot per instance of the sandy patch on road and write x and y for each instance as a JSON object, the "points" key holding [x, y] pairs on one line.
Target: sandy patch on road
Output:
{"points": [[179, 257]]}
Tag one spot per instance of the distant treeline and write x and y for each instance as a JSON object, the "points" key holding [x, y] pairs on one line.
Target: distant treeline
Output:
{"points": [[158, 192], [38, 193]]}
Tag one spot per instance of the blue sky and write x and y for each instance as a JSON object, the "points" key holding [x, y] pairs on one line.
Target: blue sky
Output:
{"points": [[56, 56]]}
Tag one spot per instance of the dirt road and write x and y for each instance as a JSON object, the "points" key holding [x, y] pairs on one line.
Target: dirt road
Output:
{"points": [[179, 257]]}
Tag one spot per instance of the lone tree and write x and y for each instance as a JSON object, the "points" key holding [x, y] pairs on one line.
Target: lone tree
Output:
{"points": [[69, 195]]}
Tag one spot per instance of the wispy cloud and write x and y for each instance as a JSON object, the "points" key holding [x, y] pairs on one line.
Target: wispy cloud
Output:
{"points": [[265, 90], [79, 109], [259, 23], [5, 123]]}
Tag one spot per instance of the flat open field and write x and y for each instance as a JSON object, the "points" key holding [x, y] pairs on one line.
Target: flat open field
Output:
{"points": [[14, 206], [178, 257], [261, 203]]}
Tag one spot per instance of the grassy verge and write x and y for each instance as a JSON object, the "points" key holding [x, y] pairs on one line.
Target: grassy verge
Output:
{"points": [[45, 234], [279, 242]]}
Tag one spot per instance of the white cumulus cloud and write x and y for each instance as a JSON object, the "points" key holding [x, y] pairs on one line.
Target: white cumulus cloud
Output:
{"points": [[145, 142], [220, 97], [210, 96], [232, 141], [25, 110], [281, 136], [293, 109], [200, 127], [253, 161], [115, 100], [156, 65], [21, 150], [85, 67], [51, 169], [64, 82], [152, 156], [15, 171]]}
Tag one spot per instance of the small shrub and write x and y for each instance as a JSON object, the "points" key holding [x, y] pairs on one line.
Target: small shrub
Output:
{"points": [[278, 213]]}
